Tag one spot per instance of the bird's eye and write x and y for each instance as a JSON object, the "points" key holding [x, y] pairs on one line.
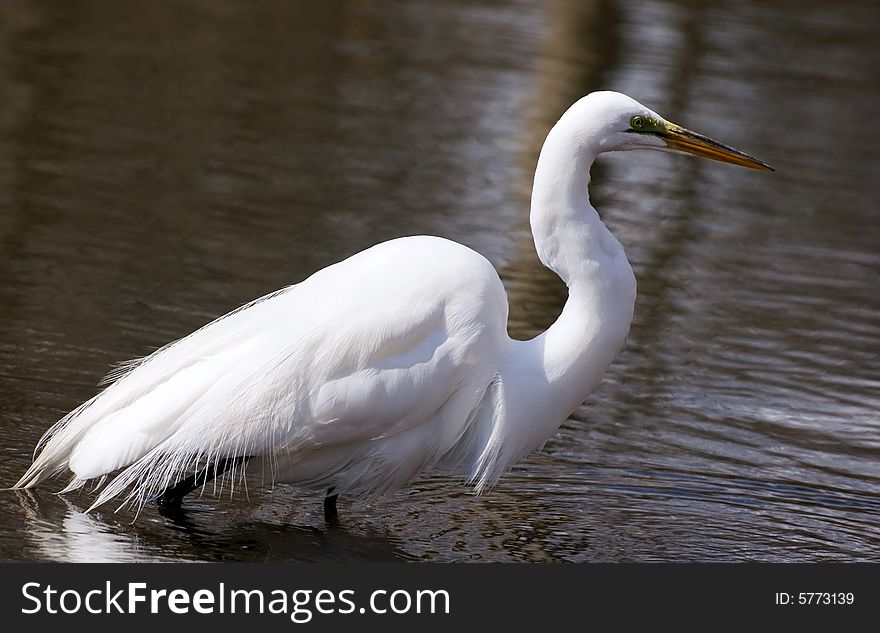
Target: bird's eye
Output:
{"points": [[637, 122]]}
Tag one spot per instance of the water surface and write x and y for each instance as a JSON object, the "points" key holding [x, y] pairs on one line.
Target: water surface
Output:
{"points": [[159, 167]]}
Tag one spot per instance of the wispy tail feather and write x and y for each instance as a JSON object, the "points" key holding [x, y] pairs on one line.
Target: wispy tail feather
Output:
{"points": [[53, 450]]}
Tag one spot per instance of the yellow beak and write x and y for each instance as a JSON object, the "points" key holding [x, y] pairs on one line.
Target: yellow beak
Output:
{"points": [[682, 140]]}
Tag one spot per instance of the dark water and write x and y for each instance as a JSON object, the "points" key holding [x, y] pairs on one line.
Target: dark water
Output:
{"points": [[159, 167]]}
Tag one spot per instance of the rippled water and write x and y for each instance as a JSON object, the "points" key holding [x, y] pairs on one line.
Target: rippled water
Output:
{"points": [[161, 166]]}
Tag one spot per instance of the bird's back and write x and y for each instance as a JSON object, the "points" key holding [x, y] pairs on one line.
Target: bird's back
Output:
{"points": [[372, 365]]}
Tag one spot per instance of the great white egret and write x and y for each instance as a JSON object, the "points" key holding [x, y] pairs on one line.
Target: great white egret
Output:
{"points": [[391, 362]]}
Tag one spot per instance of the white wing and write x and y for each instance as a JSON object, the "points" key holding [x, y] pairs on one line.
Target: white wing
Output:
{"points": [[389, 350]]}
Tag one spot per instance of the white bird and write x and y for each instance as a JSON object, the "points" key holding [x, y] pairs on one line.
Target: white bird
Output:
{"points": [[392, 362]]}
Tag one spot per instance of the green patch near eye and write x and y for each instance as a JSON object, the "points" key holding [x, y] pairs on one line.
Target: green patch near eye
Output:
{"points": [[640, 123]]}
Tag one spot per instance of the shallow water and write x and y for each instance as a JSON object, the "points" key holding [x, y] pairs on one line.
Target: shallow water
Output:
{"points": [[158, 168]]}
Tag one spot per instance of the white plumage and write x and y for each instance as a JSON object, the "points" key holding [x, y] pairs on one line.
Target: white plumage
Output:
{"points": [[386, 364]]}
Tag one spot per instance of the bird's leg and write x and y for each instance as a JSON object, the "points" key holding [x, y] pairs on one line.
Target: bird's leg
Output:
{"points": [[330, 505], [172, 496]]}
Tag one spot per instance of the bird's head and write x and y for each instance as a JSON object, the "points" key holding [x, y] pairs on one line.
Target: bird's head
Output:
{"points": [[611, 121]]}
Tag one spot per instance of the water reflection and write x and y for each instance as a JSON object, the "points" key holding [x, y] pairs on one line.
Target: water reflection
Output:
{"points": [[59, 530], [147, 188], [71, 536]]}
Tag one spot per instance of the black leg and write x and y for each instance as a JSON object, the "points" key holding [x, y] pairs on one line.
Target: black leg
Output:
{"points": [[330, 505], [173, 496]]}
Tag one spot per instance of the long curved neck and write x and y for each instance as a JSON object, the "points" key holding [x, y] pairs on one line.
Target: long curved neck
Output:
{"points": [[548, 377], [570, 238]]}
